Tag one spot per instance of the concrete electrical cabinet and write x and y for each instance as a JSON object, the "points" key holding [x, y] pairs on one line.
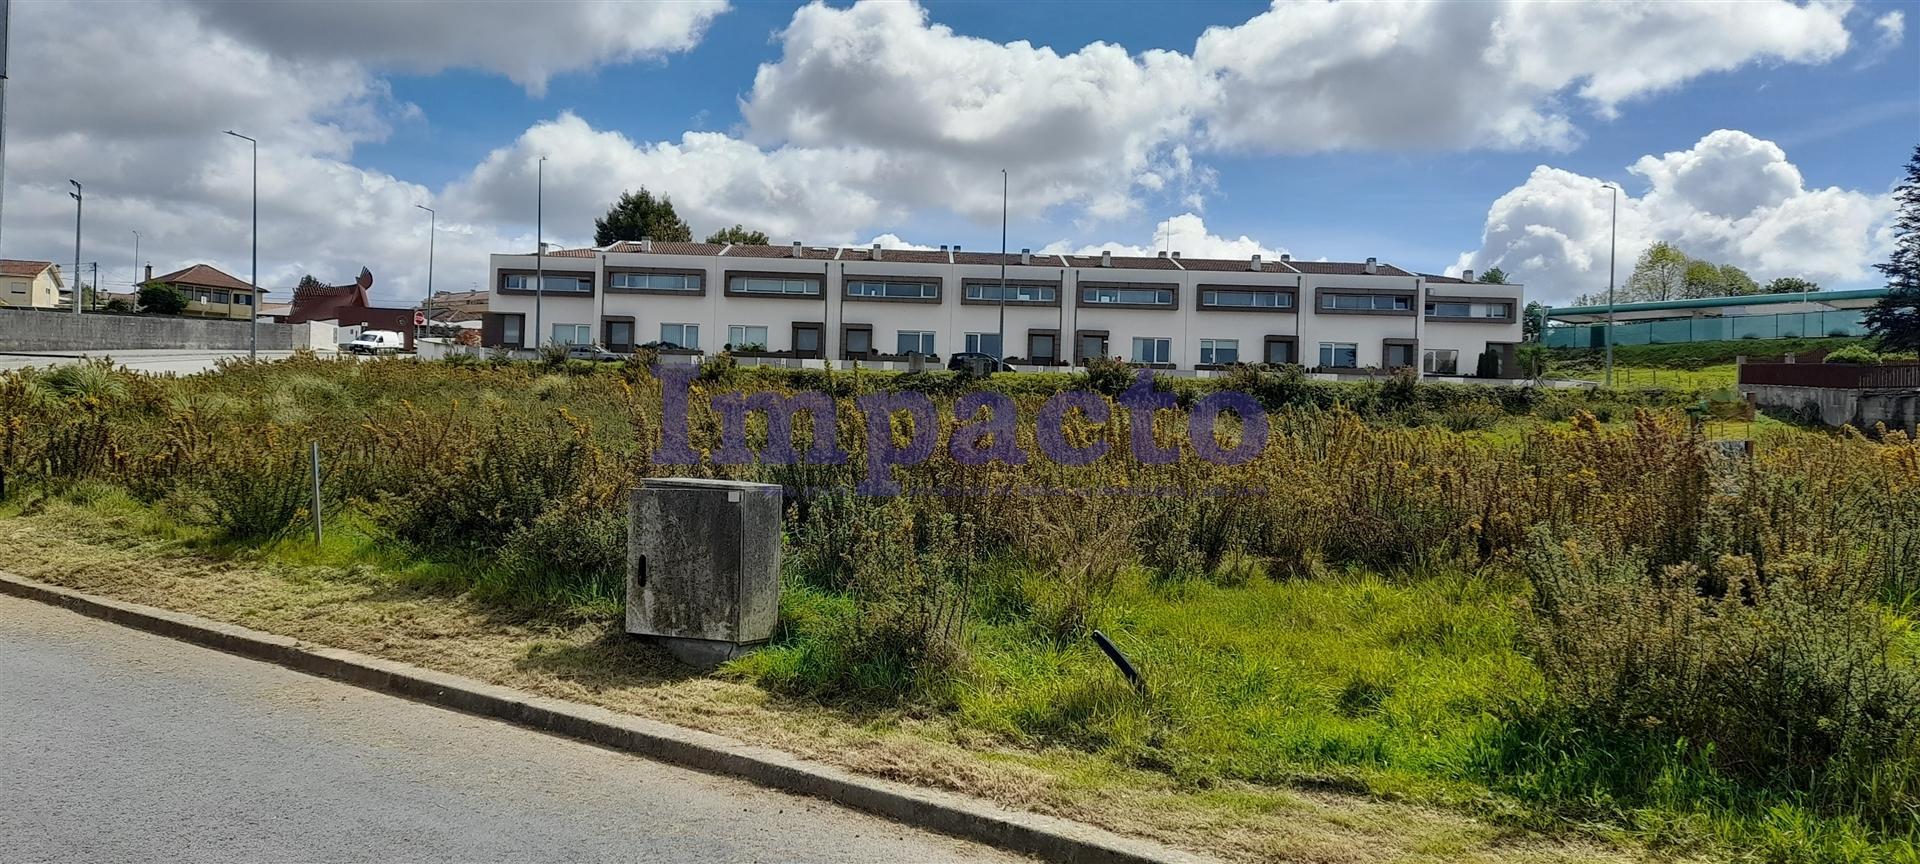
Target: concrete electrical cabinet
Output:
{"points": [[703, 566]]}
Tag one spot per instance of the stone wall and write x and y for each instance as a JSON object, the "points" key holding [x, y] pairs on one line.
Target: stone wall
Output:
{"points": [[26, 330], [1899, 409]]}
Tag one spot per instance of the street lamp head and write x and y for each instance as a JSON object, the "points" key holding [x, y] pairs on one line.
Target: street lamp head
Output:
{"points": [[76, 186], [424, 207]]}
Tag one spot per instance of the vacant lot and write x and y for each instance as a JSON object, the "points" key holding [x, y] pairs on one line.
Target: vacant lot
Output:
{"points": [[1429, 622]]}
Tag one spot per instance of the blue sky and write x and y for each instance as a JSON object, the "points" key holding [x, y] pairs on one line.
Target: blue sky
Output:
{"points": [[1412, 132]]}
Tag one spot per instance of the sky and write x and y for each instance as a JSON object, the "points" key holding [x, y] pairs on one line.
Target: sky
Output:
{"points": [[1436, 136]]}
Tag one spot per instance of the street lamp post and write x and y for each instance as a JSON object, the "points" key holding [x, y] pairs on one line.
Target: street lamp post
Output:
{"points": [[253, 275], [433, 225], [539, 246], [135, 278], [1613, 243], [79, 201], [1000, 352]]}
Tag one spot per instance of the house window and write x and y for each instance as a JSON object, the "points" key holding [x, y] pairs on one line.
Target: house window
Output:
{"points": [[1149, 349], [916, 342], [554, 284], [1279, 352], [1126, 296], [984, 343], [1440, 361], [859, 341], [1499, 310], [620, 333], [220, 298], [573, 334], [895, 290], [1396, 355], [654, 281], [1247, 299], [1339, 355], [1449, 310], [683, 335], [1361, 302], [1040, 348], [1220, 351], [510, 331], [746, 337], [18, 287], [774, 285], [243, 299], [1015, 293]]}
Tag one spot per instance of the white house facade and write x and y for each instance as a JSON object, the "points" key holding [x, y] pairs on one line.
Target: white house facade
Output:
{"points": [[882, 304]]}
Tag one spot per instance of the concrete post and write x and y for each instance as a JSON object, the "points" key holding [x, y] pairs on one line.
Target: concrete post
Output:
{"points": [[703, 566]]}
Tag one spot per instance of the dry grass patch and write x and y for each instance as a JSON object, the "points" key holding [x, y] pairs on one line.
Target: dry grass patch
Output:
{"points": [[127, 556]]}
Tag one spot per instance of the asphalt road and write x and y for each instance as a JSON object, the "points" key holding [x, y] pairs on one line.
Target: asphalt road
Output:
{"points": [[117, 745]]}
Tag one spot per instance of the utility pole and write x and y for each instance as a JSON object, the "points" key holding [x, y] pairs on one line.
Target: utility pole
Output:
{"points": [[135, 278], [6, 30], [253, 277], [539, 247], [1000, 351], [433, 223], [96, 287], [79, 201], [1613, 243]]}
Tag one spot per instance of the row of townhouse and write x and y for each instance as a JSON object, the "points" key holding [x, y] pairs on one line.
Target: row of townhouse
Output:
{"points": [[881, 304]]}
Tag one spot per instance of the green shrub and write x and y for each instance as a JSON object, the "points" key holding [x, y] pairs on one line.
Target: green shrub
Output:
{"points": [[575, 553], [259, 490], [1471, 417], [512, 474], [1853, 354], [1783, 681]]}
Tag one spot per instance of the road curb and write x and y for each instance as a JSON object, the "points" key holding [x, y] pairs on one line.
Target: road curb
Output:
{"points": [[947, 813]]}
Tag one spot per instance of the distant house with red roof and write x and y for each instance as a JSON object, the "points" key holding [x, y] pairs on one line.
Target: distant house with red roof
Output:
{"points": [[347, 305], [210, 292], [26, 284]]}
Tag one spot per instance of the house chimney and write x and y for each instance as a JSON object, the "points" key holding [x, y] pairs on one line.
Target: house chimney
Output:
{"points": [[1373, 266], [956, 247], [646, 244], [1176, 256], [1106, 258], [875, 254], [1466, 275], [1161, 254], [1285, 257], [796, 250], [943, 247], [1254, 265], [1026, 256], [149, 275]]}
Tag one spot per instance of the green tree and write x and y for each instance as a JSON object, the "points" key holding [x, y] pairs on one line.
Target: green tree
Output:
{"points": [[1660, 274], [1530, 321], [639, 215], [1705, 279], [1494, 276], [1895, 320], [161, 299], [739, 236], [1790, 285], [308, 281]]}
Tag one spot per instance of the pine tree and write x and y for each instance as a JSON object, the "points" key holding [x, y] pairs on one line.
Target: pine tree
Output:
{"points": [[1895, 320], [639, 215]]}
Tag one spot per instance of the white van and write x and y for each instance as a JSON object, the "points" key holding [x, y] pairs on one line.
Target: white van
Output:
{"points": [[378, 342]]}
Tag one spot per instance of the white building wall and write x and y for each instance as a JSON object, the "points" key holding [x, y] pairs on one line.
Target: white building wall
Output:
{"points": [[950, 319]]}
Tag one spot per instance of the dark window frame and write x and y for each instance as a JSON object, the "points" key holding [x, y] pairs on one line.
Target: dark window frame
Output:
{"points": [[1080, 295], [847, 279], [500, 282], [1012, 283], [819, 281], [1319, 302], [661, 271], [1292, 293]]}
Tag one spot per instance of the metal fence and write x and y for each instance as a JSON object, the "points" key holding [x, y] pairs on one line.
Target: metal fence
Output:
{"points": [[1845, 376], [1785, 325]]}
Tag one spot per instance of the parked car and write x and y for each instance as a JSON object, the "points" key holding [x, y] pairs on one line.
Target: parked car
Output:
{"points": [[594, 353], [378, 342], [976, 362]]}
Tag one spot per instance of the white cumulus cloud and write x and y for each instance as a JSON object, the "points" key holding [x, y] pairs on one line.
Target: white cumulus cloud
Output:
{"points": [[1730, 198], [1186, 234]]}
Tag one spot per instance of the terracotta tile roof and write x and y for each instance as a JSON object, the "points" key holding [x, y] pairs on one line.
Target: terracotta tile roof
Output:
{"points": [[204, 276], [1122, 261], [457, 305], [1040, 259], [569, 253], [1239, 264], [905, 256], [24, 268], [1346, 268], [1444, 280], [816, 253], [661, 247]]}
